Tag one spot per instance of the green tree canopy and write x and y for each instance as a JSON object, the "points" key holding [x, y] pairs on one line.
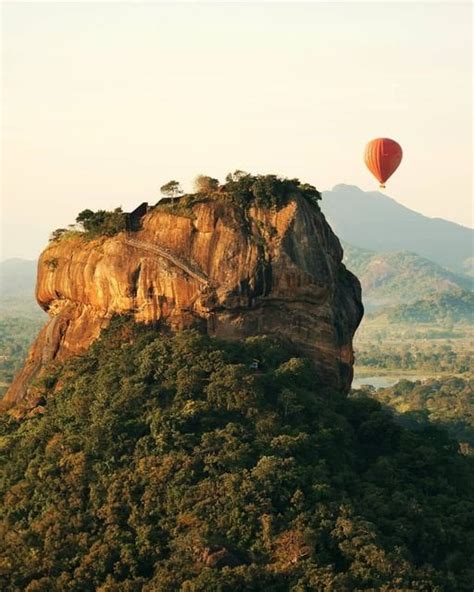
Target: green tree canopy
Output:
{"points": [[101, 222], [267, 190], [204, 184], [171, 189], [171, 463]]}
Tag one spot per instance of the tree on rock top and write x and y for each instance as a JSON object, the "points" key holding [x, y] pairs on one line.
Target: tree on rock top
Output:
{"points": [[205, 184], [101, 222], [269, 191], [171, 189]]}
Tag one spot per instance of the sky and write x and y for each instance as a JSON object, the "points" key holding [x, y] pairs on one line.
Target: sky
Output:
{"points": [[102, 103]]}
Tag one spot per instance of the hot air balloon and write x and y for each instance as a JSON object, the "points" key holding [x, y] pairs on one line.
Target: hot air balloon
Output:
{"points": [[382, 157]]}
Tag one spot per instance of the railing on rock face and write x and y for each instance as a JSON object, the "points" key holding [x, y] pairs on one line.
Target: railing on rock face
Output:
{"points": [[189, 268]]}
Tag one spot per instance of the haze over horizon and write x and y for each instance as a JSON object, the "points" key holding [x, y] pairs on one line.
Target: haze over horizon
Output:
{"points": [[103, 103]]}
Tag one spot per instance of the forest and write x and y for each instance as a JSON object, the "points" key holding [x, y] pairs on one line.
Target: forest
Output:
{"points": [[446, 402], [164, 463], [442, 356], [16, 336]]}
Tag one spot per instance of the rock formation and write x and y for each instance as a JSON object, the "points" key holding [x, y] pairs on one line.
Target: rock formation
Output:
{"points": [[215, 266]]}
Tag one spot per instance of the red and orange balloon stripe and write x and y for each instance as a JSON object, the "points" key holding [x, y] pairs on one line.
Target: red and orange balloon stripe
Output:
{"points": [[382, 157]]}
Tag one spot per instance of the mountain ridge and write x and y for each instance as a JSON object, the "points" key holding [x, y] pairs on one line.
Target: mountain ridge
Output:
{"points": [[339, 187], [452, 307], [375, 221], [400, 277]]}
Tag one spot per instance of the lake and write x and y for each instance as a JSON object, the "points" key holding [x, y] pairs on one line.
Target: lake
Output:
{"points": [[383, 381]]}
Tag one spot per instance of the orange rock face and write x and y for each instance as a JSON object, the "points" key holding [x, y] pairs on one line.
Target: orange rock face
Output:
{"points": [[231, 273]]}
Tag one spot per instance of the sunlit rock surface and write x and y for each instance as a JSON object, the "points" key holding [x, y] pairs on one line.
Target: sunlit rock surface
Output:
{"points": [[215, 267]]}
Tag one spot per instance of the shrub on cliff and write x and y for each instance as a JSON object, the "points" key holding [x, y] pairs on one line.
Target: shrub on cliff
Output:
{"points": [[205, 184], [102, 222], [91, 224], [267, 190], [172, 463]]}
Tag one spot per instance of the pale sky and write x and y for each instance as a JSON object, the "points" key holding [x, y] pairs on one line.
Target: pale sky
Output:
{"points": [[105, 102]]}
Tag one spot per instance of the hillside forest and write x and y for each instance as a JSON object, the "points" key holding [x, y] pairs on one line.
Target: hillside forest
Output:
{"points": [[170, 463]]}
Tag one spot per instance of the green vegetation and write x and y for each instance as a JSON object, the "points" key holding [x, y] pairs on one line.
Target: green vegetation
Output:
{"points": [[399, 278], [16, 336], [446, 402], [267, 190], [101, 223], [91, 224], [20, 316], [241, 188], [168, 463], [422, 356], [440, 309], [244, 190], [171, 189], [205, 184], [184, 205], [432, 335]]}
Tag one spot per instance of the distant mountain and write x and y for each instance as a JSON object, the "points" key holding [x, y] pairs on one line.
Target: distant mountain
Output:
{"points": [[372, 220], [17, 278], [439, 309], [20, 316], [17, 288], [399, 278], [468, 267]]}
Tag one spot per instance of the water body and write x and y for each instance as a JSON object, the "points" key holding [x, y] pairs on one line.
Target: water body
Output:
{"points": [[383, 381]]}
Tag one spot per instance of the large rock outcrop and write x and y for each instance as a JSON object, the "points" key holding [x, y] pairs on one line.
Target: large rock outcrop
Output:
{"points": [[230, 272]]}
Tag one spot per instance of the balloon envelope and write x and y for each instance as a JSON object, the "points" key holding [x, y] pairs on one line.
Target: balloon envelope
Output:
{"points": [[382, 157]]}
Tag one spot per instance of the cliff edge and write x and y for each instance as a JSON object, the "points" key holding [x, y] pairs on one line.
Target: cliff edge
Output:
{"points": [[230, 271]]}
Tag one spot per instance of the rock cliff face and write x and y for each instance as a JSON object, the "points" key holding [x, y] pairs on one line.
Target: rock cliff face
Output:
{"points": [[214, 267]]}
